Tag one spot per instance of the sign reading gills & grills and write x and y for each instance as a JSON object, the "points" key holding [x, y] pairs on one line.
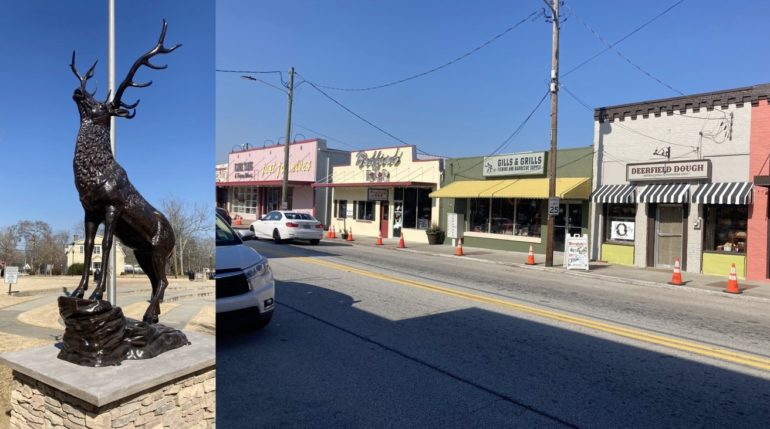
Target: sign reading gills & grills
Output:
{"points": [[674, 170], [515, 164]]}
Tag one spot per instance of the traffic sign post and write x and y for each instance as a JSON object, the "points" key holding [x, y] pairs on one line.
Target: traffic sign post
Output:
{"points": [[553, 206]]}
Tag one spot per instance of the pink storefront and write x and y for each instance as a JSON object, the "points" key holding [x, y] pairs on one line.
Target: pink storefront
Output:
{"points": [[252, 184]]}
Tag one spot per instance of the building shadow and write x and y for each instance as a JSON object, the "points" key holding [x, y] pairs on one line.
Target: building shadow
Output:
{"points": [[326, 362]]}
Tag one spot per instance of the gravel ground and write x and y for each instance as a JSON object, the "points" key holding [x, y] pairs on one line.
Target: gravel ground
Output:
{"points": [[10, 343]]}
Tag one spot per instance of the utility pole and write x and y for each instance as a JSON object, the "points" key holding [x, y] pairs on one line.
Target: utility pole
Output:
{"points": [[111, 274], [285, 184], [554, 110]]}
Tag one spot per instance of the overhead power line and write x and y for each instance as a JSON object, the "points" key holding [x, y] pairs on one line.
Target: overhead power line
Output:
{"points": [[620, 54], [353, 113], [622, 38], [435, 69]]}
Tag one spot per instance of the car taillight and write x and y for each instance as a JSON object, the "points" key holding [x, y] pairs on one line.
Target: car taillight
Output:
{"points": [[292, 224], [320, 225]]}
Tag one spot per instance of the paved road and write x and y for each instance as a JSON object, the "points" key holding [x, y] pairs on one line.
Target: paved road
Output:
{"points": [[366, 338]]}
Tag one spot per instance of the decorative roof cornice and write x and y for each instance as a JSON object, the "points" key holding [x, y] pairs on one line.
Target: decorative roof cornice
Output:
{"points": [[708, 101]]}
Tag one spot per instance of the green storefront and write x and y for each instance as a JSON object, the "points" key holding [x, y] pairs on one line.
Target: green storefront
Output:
{"points": [[503, 199]]}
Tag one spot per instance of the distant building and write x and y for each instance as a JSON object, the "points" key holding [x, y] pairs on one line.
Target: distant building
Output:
{"points": [[75, 252]]}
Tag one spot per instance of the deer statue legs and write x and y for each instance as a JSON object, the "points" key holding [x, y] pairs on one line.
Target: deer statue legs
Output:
{"points": [[91, 225]]}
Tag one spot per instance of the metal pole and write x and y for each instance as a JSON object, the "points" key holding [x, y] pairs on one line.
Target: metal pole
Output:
{"points": [[554, 110], [327, 209], [285, 184], [111, 287]]}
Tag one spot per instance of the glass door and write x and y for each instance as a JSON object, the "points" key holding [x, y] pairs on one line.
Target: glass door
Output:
{"points": [[668, 235], [569, 221]]}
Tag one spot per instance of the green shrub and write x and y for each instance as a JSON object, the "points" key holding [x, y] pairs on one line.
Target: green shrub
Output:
{"points": [[75, 269]]}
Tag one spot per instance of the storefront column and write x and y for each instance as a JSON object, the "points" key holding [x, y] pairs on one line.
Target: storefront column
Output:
{"points": [[694, 238], [640, 236], [757, 243], [596, 228]]}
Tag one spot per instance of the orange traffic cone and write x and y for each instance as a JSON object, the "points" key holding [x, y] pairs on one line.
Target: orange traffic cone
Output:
{"points": [[401, 244], [676, 279], [732, 282], [334, 232], [459, 249], [379, 239], [329, 232], [530, 256], [350, 235]]}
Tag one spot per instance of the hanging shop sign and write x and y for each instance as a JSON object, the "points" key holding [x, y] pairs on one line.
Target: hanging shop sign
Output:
{"points": [[515, 164], [374, 163], [377, 194], [622, 230], [675, 170]]}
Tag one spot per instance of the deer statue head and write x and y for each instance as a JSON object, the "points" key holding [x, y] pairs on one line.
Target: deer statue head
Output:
{"points": [[101, 111]]}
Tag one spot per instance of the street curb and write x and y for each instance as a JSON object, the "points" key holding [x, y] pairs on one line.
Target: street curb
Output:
{"points": [[619, 280]]}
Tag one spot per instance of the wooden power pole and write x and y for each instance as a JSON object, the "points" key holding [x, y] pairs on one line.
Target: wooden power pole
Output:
{"points": [[285, 182], [552, 154]]}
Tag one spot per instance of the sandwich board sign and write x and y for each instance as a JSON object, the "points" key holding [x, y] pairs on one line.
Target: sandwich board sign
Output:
{"points": [[576, 252]]}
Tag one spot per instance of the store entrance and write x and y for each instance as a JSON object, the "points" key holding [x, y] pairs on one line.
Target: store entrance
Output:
{"points": [[384, 211], [569, 221], [668, 235]]}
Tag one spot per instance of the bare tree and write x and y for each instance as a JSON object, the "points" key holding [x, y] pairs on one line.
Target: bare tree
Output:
{"points": [[33, 233], [188, 222], [51, 251], [9, 240]]}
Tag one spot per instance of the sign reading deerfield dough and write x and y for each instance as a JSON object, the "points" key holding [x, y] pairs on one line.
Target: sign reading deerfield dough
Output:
{"points": [[700, 169], [515, 164]]}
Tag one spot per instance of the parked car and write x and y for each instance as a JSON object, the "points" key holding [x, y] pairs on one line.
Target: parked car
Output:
{"points": [[225, 215], [245, 288], [283, 225]]}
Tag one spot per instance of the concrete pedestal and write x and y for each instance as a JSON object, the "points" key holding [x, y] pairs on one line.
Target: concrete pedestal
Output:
{"points": [[175, 389]]}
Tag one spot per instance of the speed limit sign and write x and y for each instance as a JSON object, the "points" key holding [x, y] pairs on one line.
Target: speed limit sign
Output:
{"points": [[553, 206]]}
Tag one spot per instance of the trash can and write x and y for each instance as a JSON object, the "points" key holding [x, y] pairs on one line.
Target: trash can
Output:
{"points": [[191, 275], [97, 276]]}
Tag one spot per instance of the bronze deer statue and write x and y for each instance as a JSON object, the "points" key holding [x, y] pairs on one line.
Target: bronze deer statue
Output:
{"points": [[108, 196]]}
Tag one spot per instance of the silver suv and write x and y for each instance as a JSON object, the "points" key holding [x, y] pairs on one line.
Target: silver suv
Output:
{"points": [[245, 288]]}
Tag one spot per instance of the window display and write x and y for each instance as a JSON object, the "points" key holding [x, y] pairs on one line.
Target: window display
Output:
{"points": [[245, 199], [416, 207], [725, 228], [506, 216], [619, 223], [364, 210]]}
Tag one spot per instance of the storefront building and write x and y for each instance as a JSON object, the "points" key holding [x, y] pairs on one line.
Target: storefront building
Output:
{"points": [[681, 178], [503, 199], [385, 191], [252, 183]]}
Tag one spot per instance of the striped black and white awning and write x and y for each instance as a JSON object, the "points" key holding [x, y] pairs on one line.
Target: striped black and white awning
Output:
{"points": [[723, 193], [665, 193], [617, 194]]}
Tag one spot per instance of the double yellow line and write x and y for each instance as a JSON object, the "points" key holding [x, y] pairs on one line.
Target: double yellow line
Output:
{"points": [[711, 351]]}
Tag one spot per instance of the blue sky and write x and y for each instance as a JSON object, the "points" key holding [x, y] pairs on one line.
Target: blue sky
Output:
{"points": [[167, 149], [472, 106]]}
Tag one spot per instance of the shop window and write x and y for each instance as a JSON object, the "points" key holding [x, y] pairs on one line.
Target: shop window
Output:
{"points": [[245, 199], [725, 228], [364, 210], [506, 216], [528, 217], [416, 205], [619, 223], [340, 209]]}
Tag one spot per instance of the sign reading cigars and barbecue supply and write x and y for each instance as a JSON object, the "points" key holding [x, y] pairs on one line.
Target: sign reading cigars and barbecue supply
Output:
{"points": [[674, 170]]}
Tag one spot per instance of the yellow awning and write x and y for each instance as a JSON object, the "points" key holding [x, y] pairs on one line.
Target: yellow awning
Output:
{"points": [[566, 187]]}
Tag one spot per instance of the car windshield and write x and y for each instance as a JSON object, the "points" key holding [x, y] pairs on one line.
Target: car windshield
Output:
{"points": [[225, 235], [298, 216]]}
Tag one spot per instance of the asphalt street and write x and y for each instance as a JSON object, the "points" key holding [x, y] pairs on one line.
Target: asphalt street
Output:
{"points": [[367, 337]]}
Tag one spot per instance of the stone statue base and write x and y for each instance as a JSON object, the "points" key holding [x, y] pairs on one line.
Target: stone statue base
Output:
{"points": [[97, 334]]}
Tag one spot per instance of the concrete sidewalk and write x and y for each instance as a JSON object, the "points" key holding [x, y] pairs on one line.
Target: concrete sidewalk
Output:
{"points": [[751, 290]]}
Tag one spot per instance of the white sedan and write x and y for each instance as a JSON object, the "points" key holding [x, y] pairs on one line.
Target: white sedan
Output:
{"points": [[287, 225]]}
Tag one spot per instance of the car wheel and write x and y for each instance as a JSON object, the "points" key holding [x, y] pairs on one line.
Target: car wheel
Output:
{"points": [[277, 237], [263, 321], [251, 228], [315, 242]]}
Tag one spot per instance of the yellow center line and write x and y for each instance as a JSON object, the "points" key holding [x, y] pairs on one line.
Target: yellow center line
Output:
{"points": [[720, 353]]}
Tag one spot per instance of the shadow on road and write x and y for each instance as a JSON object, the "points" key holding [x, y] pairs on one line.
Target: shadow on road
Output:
{"points": [[559, 376]]}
